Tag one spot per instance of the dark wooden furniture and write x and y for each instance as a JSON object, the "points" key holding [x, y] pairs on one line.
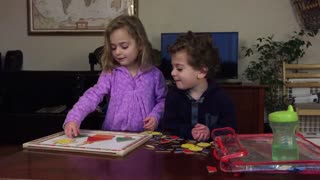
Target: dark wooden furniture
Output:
{"points": [[22, 127], [249, 103], [141, 164], [23, 93]]}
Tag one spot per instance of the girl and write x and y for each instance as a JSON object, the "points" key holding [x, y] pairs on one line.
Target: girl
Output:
{"points": [[136, 88]]}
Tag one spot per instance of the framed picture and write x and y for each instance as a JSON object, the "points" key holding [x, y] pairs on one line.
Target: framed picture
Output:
{"points": [[91, 141], [75, 16]]}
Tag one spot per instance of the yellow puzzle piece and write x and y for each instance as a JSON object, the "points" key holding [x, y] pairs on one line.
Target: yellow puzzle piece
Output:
{"points": [[64, 141]]}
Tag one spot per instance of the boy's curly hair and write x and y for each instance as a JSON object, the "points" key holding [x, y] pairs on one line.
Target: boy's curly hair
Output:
{"points": [[200, 48]]}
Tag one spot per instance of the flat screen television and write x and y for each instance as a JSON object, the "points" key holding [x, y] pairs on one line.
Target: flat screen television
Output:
{"points": [[227, 44]]}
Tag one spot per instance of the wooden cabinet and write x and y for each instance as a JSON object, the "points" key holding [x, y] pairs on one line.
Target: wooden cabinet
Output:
{"points": [[22, 127], [249, 103]]}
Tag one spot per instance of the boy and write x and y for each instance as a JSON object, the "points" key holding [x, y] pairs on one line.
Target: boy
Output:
{"points": [[197, 105]]}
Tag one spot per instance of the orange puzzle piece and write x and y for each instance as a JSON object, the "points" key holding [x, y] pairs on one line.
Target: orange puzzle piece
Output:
{"points": [[98, 137]]}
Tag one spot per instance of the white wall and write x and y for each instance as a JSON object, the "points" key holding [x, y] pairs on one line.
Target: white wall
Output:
{"points": [[251, 18]]}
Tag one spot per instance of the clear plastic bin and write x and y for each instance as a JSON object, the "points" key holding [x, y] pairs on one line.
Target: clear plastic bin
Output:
{"points": [[253, 153]]}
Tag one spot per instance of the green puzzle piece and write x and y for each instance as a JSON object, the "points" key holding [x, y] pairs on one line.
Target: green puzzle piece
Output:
{"points": [[81, 136], [122, 139]]}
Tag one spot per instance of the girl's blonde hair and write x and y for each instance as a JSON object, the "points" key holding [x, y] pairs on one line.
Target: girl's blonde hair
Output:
{"points": [[136, 30]]}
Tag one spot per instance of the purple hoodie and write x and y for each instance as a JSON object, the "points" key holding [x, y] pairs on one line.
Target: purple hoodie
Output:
{"points": [[131, 99]]}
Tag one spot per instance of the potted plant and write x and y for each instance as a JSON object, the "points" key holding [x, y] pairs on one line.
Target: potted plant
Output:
{"points": [[267, 69]]}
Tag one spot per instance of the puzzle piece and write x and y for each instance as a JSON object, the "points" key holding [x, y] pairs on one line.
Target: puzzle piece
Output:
{"points": [[211, 169], [163, 150], [81, 136], [148, 146], [195, 148], [153, 133], [123, 139], [174, 137], [164, 141], [187, 151], [187, 145], [65, 141], [98, 137], [203, 144]]}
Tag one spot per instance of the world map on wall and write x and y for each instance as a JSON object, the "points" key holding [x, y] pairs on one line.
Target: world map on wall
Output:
{"points": [[76, 14], [65, 4]]}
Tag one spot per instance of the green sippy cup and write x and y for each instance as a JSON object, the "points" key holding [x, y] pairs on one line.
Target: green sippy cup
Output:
{"points": [[284, 144]]}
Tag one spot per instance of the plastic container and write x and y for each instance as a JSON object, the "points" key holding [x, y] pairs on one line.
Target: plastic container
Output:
{"points": [[253, 153], [284, 144]]}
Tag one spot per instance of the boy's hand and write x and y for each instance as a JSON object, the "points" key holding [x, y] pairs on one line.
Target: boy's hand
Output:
{"points": [[150, 123], [195, 134], [71, 129], [200, 132]]}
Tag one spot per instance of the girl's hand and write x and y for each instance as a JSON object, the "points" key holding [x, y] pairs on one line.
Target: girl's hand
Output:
{"points": [[201, 132], [71, 129], [150, 123]]}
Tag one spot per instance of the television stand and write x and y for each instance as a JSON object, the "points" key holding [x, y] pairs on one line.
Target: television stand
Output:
{"points": [[229, 81]]}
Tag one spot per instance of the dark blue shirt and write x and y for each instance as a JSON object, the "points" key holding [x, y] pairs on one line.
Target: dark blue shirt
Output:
{"points": [[214, 109]]}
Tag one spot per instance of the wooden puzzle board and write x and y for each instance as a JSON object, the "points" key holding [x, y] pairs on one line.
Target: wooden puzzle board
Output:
{"points": [[90, 141]]}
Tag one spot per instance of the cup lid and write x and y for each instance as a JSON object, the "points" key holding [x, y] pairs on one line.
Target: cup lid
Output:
{"points": [[284, 116]]}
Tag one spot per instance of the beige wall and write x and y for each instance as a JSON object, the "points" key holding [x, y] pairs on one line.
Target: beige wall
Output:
{"points": [[251, 18]]}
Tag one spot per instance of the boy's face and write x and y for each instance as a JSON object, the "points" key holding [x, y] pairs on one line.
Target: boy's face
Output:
{"points": [[124, 48], [185, 76]]}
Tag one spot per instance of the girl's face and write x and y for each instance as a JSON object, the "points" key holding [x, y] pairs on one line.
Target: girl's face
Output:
{"points": [[185, 76], [124, 48]]}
